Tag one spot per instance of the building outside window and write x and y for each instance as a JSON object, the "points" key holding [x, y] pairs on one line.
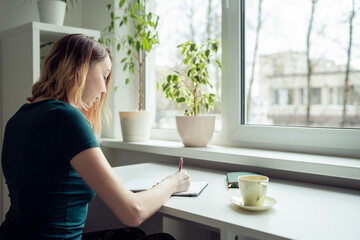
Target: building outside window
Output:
{"points": [[277, 50]]}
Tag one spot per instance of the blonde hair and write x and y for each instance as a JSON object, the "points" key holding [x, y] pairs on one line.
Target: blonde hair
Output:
{"points": [[64, 72]]}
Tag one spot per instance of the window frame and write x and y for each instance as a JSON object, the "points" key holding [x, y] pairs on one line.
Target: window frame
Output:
{"points": [[312, 140], [328, 141]]}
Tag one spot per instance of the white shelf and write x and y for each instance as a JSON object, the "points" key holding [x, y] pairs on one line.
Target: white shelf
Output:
{"points": [[50, 32]]}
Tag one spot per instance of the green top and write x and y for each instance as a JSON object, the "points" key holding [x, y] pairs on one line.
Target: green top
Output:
{"points": [[48, 197]]}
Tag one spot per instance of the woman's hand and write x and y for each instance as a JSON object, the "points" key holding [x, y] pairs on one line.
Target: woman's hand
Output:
{"points": [[181, 180]]}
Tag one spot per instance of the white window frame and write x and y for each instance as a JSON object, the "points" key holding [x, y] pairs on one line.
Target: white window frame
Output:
{"points": [[327, 141]]}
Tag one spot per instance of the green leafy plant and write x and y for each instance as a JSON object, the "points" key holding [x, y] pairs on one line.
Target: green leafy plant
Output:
{"points": [[143, 38], [191, 86]]}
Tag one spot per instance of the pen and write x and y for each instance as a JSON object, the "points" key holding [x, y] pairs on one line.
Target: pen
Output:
{"points": [[181, 163]]}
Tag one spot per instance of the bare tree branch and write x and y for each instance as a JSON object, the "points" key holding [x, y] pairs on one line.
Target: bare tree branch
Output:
{"points": [[308, 60], [258, 27], [347, 71]]}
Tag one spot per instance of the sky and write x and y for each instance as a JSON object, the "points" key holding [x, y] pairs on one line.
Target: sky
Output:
{"points": [[285, 24], [175, 25]]}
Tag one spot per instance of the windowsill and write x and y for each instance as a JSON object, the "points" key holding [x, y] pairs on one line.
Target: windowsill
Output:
{"points": [[338, 167]]}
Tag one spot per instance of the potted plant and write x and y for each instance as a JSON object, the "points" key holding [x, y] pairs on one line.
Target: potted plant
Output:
{"points": [[52, 11], [192, 88], [135, 125]]}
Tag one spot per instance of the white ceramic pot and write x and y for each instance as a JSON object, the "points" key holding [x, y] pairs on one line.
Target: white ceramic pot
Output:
{"points": [[52, 11], [135, 125], [195, 131]]}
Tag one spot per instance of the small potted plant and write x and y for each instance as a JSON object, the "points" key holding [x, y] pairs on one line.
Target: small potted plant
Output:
{"points": [[53, 11], [192, 88], [135, 125]]}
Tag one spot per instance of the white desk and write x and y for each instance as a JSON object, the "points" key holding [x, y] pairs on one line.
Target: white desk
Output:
{"points": [[303, 211]]}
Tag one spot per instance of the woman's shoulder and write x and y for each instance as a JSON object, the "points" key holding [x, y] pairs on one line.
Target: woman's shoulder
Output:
{"points": [[54, 110], [65, 109]]}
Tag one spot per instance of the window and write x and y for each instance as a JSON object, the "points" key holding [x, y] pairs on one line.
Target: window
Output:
{"points": [[283, 96], [302, 96], [273, 60], [289, 44], [331, 96], [276, 97], [181, 21], [273, 57], [315, 96]]}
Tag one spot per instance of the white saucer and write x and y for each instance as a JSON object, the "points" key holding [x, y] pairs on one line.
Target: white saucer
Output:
{"points": [[268, 203]]}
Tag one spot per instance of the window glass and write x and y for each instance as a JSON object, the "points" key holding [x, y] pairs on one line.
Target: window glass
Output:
{"points": [[295, 47], [181, 21]]}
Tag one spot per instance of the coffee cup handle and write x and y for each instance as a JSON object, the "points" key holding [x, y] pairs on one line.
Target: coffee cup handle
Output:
{"points": [[264, 188]]}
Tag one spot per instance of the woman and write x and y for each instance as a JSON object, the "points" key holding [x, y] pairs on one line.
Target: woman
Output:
{"points": [[51, 160]]}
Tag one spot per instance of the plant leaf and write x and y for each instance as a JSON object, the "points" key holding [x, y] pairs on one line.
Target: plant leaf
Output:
{"points": [[107, 42], [214, 46], [218, 63], [180, 99], [207, 52], [165, 86], [121, 3], [183, 50], [189, 72], [146, 44], [132, 15], [157, 21]]}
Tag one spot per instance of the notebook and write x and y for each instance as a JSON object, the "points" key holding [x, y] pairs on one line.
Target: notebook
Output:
{"points": [[142, 184], [232, 178]]}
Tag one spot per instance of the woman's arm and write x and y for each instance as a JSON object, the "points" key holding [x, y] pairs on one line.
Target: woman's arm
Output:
{"points": [[131, 208]]}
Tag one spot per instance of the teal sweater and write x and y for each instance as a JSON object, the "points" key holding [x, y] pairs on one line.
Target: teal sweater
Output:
{"points": [[48, 198]]}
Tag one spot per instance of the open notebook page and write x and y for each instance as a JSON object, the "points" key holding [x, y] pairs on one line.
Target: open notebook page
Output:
{"points": [[142, 184]]}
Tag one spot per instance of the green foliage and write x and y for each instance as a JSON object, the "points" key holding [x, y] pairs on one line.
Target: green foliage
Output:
{"points": [[143, 38], [190, 87]]}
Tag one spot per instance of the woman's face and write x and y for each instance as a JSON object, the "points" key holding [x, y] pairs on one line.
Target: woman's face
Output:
{"points": [[95, 83]]}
